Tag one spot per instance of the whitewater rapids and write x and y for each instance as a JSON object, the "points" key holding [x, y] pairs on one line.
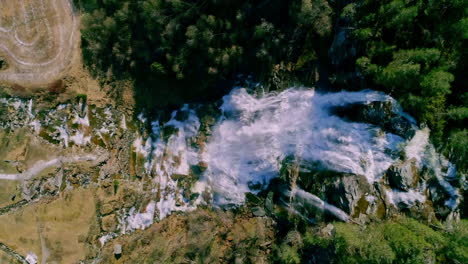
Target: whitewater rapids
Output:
{"points": [[255, 134], [245, 146]]}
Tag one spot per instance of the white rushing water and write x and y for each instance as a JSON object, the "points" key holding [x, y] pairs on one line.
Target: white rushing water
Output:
{"points": [[141, 220], [257, 133], [166, 158], [303, 197], [247, 146]]}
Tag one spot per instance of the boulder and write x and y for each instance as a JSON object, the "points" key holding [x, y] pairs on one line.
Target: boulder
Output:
{"points": [[344, 190], [328, 231], [440, 199], [258, 211], [380, 113], [403, 175], [347, 193], [197, 170], [106, 209], [109, 223], [179, 177]]}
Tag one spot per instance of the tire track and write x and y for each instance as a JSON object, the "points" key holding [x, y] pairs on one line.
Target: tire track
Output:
{"points": [[45, 56]]}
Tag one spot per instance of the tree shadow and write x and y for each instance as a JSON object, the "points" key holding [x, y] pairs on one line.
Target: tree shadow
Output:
{"points": [[154, 93]]}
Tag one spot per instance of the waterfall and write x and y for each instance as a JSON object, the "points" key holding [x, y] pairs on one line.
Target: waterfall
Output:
{"points": [[307, 199], [247, 144], [256, 133]]}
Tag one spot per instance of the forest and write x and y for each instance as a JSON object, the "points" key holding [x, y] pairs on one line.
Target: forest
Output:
{"points": [[194, 50], [179, 51]]}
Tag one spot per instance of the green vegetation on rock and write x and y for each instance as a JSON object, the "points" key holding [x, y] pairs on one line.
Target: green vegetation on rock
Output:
{"points": [[398, 241], [178, 51], [182, 50], [416, 51]]}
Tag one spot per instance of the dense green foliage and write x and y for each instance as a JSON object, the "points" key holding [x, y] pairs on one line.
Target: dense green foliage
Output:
{"points": [[416, 51], [197, 45], [402, 241], [217, 236], [181, 50]]}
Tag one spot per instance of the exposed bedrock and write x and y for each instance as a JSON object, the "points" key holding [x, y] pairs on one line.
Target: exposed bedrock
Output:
{"points": [[401, 190], [380, 113]]}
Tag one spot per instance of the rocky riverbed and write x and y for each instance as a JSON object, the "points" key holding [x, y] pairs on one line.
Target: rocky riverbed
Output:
{"points": [[347, 156]]}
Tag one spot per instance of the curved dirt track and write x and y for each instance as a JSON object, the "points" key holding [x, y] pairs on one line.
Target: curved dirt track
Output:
{"points": [[37, 40]]}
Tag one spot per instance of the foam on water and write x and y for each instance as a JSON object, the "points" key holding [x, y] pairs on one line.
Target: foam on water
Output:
{"points": [[318, 203], [63, 134], [123, 123], [418, 145], [407, 198], [80, 139], [36, 126], [247, 145], [174, 156], [103, 240], [31, 258], [256, 133], [435, 163], [141, 220]]}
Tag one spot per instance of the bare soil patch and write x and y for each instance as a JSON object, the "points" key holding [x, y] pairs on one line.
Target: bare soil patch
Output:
{"points": [[54, 230], [38, 40]]}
